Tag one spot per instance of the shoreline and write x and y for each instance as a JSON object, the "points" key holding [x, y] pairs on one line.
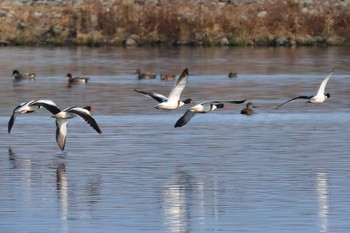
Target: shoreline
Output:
{"points": [[270, 23]]}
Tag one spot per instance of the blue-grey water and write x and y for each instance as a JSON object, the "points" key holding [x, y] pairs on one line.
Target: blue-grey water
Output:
{"points": [[285, 170]]}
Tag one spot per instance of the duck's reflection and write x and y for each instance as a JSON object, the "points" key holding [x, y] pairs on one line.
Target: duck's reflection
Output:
{"points": [[62, 188], [82, 197], [179, 195], [12, 157], [24, 166], [62, 192], [31, 173], [323, 205], [92, 190]]}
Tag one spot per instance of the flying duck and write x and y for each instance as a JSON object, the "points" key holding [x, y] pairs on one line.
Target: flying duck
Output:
{"points": [[27, 107], [77, 79], [17, 76], [145, 75], [320, 97], [204, 107], [173, 100], [248, 110], [62, 117]]}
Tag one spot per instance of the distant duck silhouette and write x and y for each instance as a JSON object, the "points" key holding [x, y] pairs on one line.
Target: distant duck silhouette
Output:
{"points": [[167, 77], [17, 76], [248, 110], [145, 75], [232, 75], [77, 79]]}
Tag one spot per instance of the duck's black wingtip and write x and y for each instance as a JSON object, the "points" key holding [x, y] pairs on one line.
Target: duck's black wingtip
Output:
{"points": [[177, 124], [185, 71], [180, 123], [276, 108]]}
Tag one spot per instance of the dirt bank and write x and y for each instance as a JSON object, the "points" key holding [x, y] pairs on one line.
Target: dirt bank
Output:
{"points": [[207, 23]]}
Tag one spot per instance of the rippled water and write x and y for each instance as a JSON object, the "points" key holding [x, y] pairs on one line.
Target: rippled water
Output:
{"points": [[281, 170]]}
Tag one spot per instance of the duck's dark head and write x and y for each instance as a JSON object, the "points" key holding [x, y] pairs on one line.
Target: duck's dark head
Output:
{"points": [[220, 105], [89, 108], [328, 95], [232, 75], [189, 101], [250, 105], [15, 72], [69, 75]]}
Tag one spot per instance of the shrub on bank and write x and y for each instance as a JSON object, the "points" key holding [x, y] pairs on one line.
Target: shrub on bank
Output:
{"points": [[272, 23]]}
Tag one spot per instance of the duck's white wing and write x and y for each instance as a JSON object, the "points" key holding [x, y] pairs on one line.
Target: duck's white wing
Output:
{"points": [[48, 104], [321, 90], [18, 109], [158, 97], [179, 86], [85, 114], [61, 132], [14, 115]]}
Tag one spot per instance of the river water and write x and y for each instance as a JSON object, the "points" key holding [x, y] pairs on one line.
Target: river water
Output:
{"points": [[283, 170]]}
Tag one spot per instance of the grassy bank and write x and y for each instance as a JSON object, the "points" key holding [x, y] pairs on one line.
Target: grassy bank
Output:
{"points": [[278, 23]]}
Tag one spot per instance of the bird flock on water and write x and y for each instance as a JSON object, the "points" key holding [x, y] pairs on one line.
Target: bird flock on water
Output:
{"points": [[171, 102]]}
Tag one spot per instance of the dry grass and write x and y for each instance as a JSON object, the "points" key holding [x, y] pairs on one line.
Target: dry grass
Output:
{"points": [[177, 23]]}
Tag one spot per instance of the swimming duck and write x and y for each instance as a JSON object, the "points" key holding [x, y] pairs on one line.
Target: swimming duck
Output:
{"points": [[204, 107], [173, 100], [77, 79], [319, 98], [248, 110], [232, 75], [145, 75], [17, 76], [167, 77]]}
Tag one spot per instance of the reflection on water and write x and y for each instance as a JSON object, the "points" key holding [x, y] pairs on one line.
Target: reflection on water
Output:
{"points": [[62, 191], [23, 166], [322, 191], [182, 192], [223, 172], [12, 157]]}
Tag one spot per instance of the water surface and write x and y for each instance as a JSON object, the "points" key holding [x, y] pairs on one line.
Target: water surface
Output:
{"points": [[281, 170]]}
